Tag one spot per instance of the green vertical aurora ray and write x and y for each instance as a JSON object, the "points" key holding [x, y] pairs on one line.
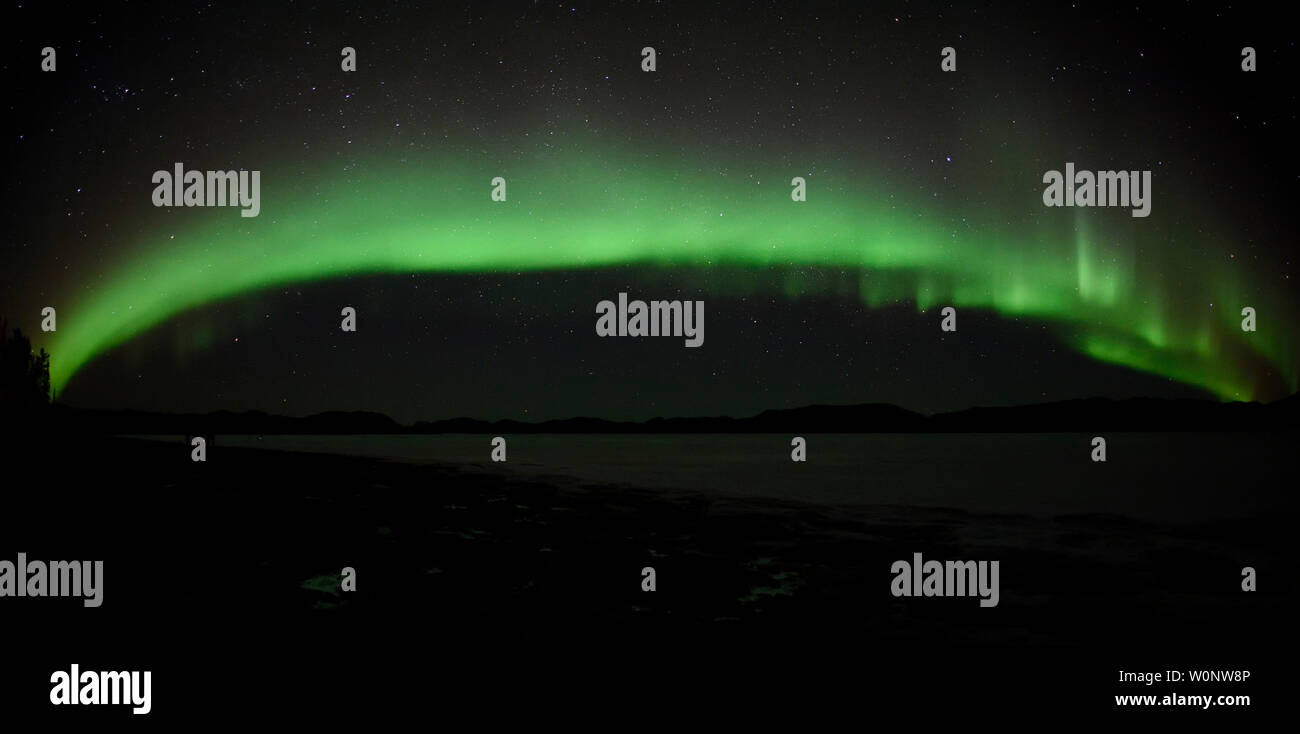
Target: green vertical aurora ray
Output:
{"points": [[1094, 276]]}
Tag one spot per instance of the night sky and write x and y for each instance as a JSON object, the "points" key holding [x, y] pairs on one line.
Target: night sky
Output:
{"points": [[924, 190]]}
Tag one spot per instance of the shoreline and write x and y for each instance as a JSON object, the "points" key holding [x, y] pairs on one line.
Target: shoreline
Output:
{"points": [[447, 546]]}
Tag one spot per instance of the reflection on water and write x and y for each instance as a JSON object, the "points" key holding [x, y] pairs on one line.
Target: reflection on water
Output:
{"points": [[1166, 477]]}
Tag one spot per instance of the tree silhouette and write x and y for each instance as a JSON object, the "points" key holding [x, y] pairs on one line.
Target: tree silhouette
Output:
{"points": [[24, 375]]}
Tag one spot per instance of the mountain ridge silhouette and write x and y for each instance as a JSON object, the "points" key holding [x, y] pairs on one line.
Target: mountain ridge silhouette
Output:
{"points": [[1078, 415]]}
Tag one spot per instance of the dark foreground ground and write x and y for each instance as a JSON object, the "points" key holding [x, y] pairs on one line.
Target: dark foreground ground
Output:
{"points": [[222, 578]]}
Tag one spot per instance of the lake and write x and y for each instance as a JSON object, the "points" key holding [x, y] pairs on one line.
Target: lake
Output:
{"points": [[1170, 477]]}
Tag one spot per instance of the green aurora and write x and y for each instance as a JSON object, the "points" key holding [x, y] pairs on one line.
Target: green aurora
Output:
{"points": [[1099, 278]]}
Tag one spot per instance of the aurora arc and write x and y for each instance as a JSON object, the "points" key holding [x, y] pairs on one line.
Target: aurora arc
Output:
{"points": [[1103, 295]]}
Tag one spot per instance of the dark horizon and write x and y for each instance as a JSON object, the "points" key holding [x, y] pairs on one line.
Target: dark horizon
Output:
{"points": [[1130, 414]]}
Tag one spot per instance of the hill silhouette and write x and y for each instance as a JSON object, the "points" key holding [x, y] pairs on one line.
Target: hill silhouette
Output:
{"points": [[1091, 414]]}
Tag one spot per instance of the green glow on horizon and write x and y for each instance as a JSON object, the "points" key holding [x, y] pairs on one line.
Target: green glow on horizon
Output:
{"points": [[602, 210]]}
